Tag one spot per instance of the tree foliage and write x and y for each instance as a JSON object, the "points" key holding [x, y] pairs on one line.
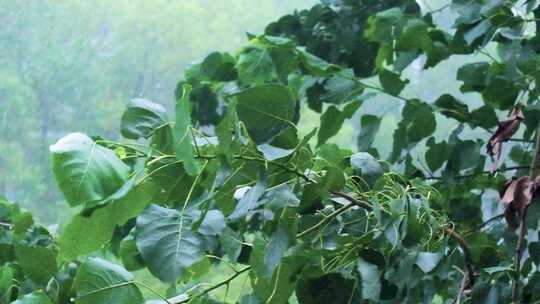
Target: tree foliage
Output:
{"points": [[232, 180]]}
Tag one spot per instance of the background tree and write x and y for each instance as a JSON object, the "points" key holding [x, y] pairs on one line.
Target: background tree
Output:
{"points": [[73, 66]]}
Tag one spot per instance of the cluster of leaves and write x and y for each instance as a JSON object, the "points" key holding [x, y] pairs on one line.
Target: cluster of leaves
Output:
{"points": [[232, 180]]}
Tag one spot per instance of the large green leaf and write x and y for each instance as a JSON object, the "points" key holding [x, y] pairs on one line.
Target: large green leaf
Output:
{"points": [[85, 171], [38, 263], [265, 110], [142, 118], [166, 242], [100, 281], [183, 138], [90, 232], [85, 234]]}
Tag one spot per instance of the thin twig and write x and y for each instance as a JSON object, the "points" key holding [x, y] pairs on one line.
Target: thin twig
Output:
{"points": [[484, 224], [438, 10], [475, 174], [327, 219], [218, 285], [359, 203]]}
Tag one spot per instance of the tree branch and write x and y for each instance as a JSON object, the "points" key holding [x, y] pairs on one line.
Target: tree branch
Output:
{"points": [[523, 224], [468, 278], [7, 225]]}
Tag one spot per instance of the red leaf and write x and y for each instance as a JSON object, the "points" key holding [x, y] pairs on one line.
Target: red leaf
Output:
{"points": [[507, 128]]}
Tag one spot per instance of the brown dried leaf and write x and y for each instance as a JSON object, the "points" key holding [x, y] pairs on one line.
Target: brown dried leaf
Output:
{"points": [[518, 194], [507, 128]]}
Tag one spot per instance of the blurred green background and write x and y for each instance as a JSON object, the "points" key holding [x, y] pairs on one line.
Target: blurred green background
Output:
{"points": [[70, 66]]}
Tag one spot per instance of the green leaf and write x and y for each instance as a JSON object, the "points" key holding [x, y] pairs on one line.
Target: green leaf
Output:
{"points": [[183, 139], [366, 166], [167, 243], [6, 283], [22, 222], [36, 297], [371, 285], [100, 281], [231, 242], [265, 110], [331, 153], [218, 66], [420, 121], [498, 87], [332, 120], [85, 171], [341, 87], [278, 288], [369, 126], [314, 64], [383, 26], [128, 205], [275, 249], [130, 255], [90, 232], [333, 180], [436, 154], [474, 76], [38, 263], [213, 223], [142, 118], [225, 130], [255, 66], [428, 260], [272, 153], [86, 234], [391, 82], [250, 200], [453, 108]]}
